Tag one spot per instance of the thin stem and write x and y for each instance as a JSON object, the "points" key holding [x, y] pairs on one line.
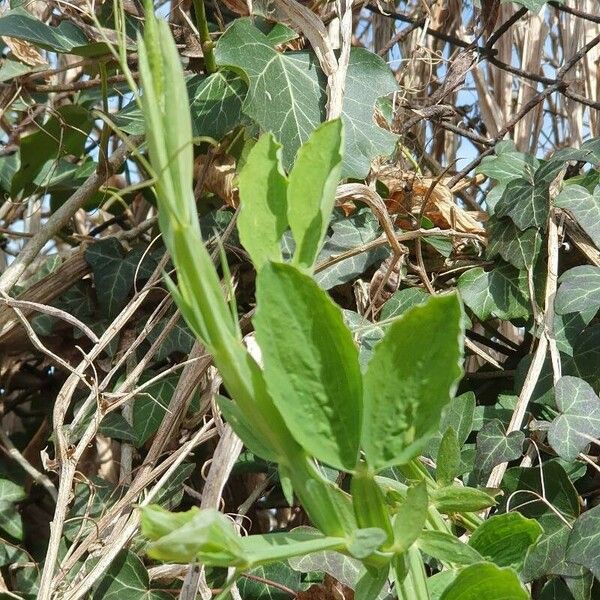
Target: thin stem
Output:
{"points": [[205, 39]]}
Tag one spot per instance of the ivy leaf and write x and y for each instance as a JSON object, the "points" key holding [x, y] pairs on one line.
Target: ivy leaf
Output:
{"points": [[585, 208], [114, 425], [568, 327], [261, 589], [579, 290], [400, 301], [485, 580], [584, 541], [495, 447], [179, 339], [287, 95], [347, 233], [586, 358], [215, 106], [580, 417], [10, 519], [113, 274], [505, 539], [127, 579], [526, 202], [501, 292], [66, 38], [459, 415], [403, 395], [519, 248]]}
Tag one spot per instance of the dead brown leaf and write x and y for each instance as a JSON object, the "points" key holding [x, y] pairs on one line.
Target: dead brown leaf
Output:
{"points": [[330, 589]]}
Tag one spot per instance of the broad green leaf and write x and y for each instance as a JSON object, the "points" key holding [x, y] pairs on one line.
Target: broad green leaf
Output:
{"points": [[10, 518], [113, 274], [366, 541], [455, 498], [208, 536], [519, 248], [494, 447], [548, 556], [556, 589], [311, 190], [526, 202], [586, 358], [501, 292], [410, 519], [64, 133], [579, 290], [557, 490], [287, 94], [263, 206], [311, 364], [215, 106], [273, 547], [244, 431], [12, 68], [257, 586], [179, 340], [150, 407], [505, 539], [127, 579], [447, 548], [348, 233], [404, 394], [585, 208], [448, 458], [156, 522], [570, 432], [66, 38], [584, 541], [568, 328], [485, 580], [401, 301], [459, 415], [114, 425], [436, 584]]}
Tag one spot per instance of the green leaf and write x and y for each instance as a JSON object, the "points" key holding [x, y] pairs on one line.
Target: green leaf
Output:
{"points": [[215, 106], [273, 547], [505, 539], [63, 134], [348, 233], [584, 541], [411, 517], [287, 94], [369, 586], [459, 414], [568, 328], [208, 536], [234, 416], [404, 393], [585, 208], [127, 579], [579, 420], [485, 580], [455, 498], [400, 301], [66, 38], [10, 518], [263, 206], [261, 588], [519, 248], [157, 522], [494, 447], [447, 548], [533, 5], [113, 274], [115, 426], [311, 191], [448, 458], [311, 364], [586, 358], [548, 556], [501, 292], [579, 290], [557, 490], [366, 541], [508, 164], [526, 202]]}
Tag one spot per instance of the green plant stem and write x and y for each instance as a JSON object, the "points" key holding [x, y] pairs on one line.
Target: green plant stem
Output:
{"points": [[205, 39], [414, 585]]}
